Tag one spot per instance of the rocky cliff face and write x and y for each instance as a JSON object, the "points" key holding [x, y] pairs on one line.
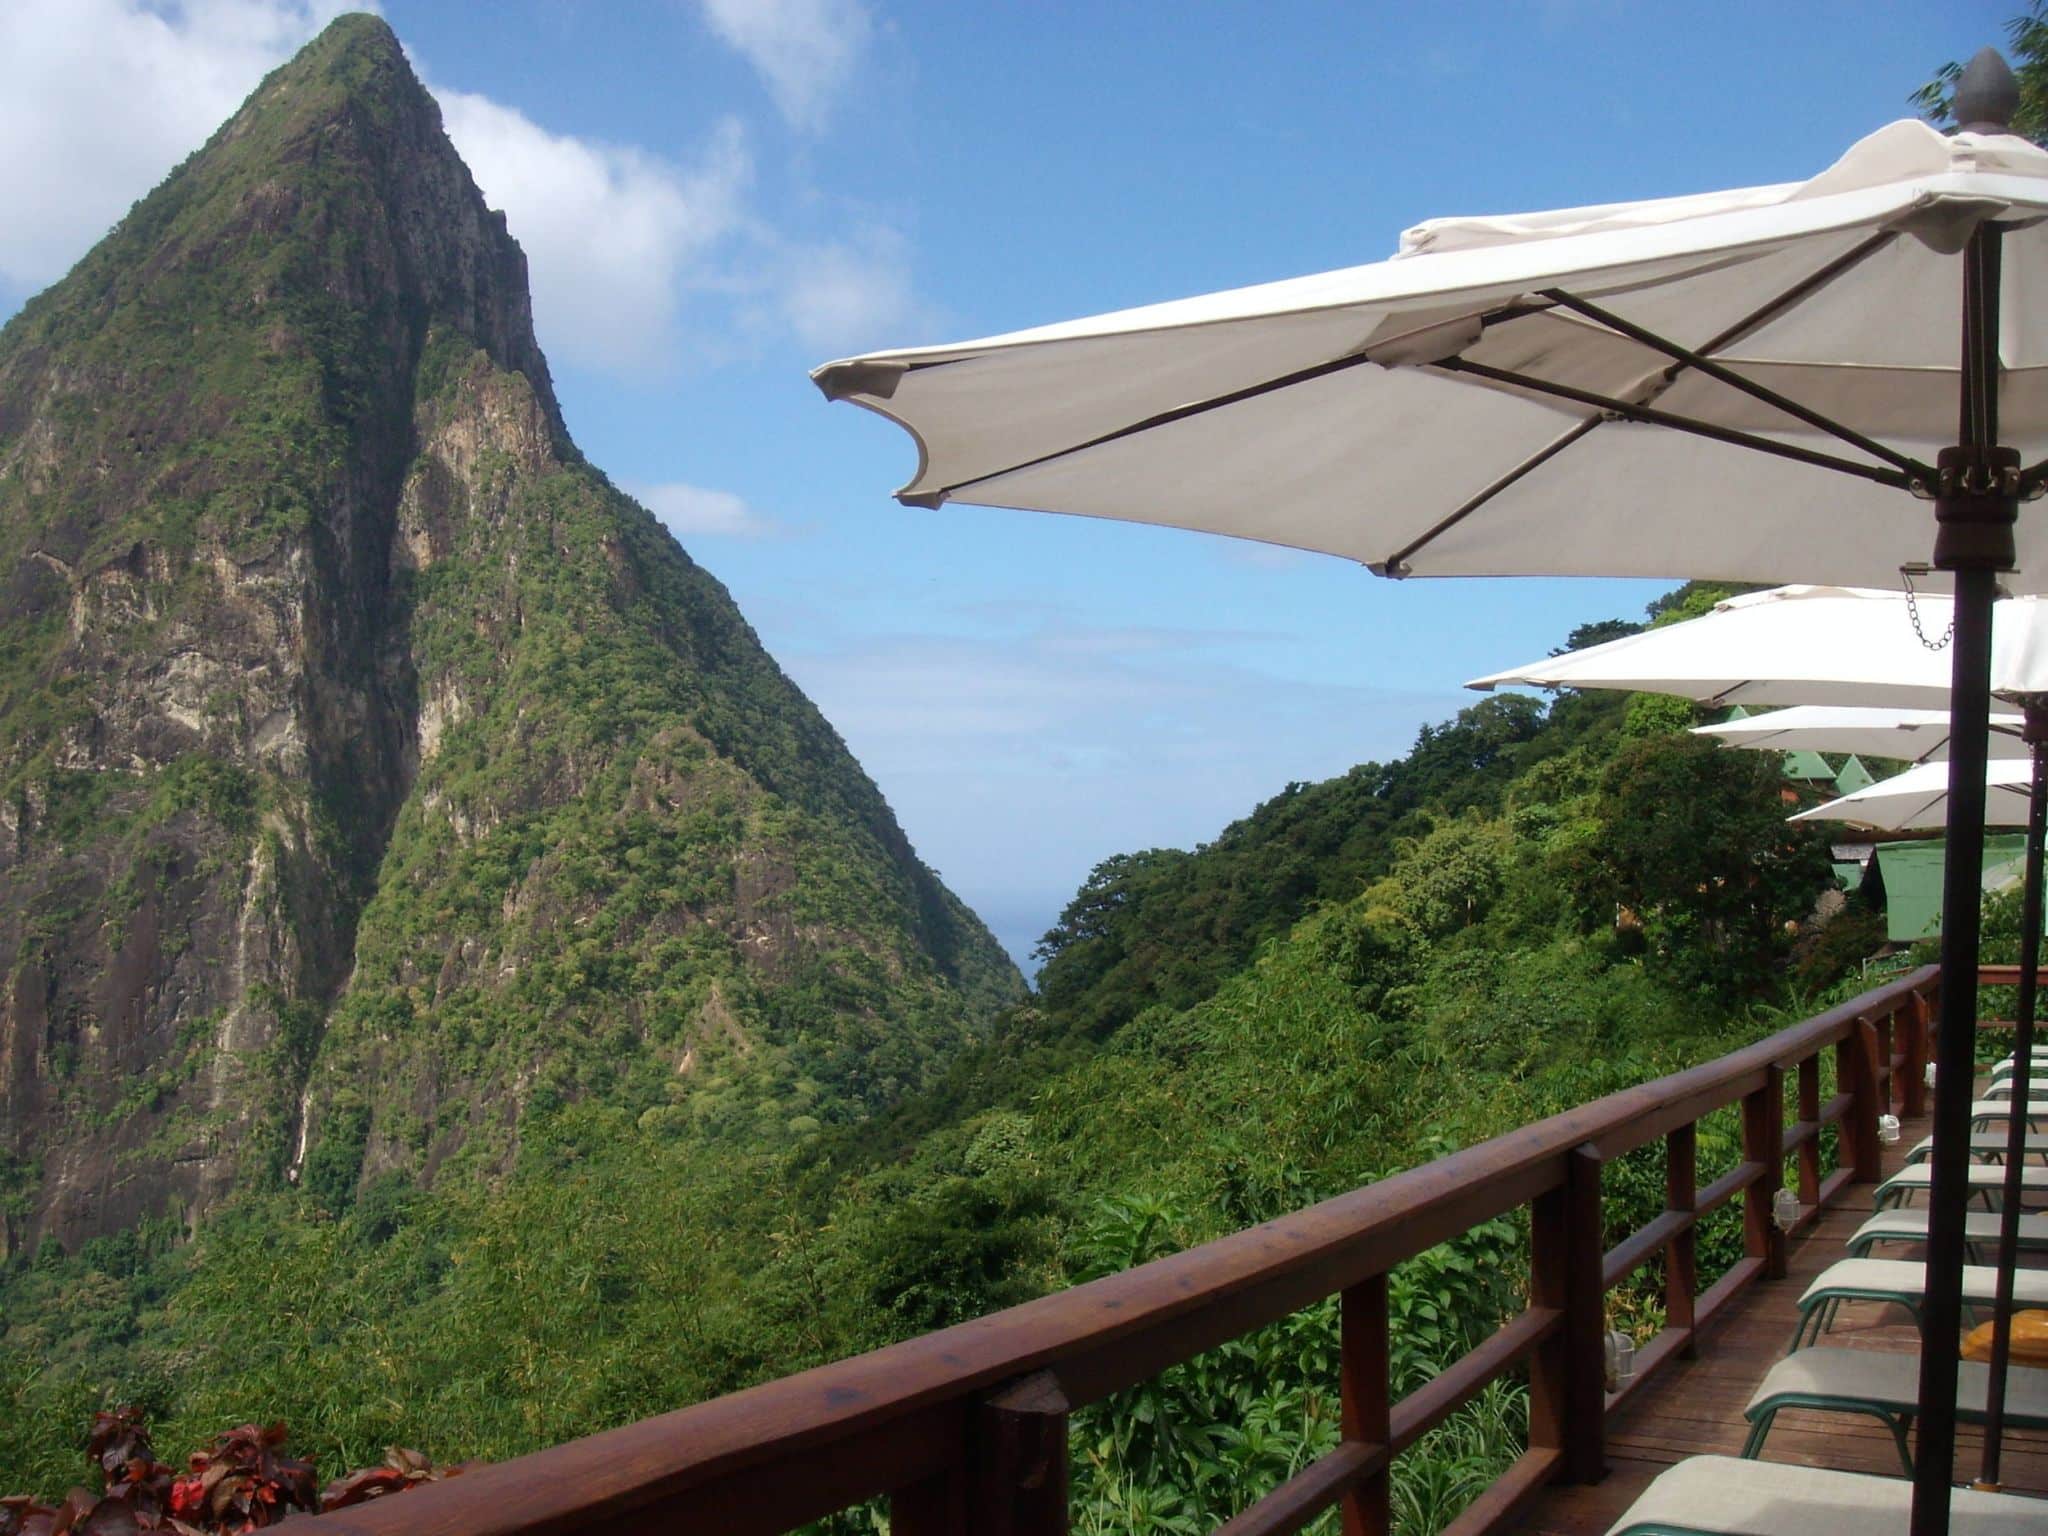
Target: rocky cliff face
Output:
{"points": [[373, 774]]}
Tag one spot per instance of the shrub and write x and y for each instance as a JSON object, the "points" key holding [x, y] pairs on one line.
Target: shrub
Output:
{"points": [[242, 1482]]}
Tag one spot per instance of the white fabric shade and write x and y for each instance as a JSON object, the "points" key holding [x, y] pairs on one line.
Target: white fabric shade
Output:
{"points": [[1802, 645], [1911, 735], [1917, 800], [1322, 412]]}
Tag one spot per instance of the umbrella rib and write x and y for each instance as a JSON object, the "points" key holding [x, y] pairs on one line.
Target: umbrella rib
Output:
{"points": [[1396, 564], [1609, 407], [1804, 289], [1728, 376], [1167, 418], [1650, 416]]}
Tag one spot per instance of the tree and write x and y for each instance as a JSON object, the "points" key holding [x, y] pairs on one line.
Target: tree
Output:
{"points": [[1693, 851], [1100, 938], [1597, 633], [1446, 879]]}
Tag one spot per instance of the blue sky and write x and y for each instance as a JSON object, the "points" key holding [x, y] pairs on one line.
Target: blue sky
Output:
{"points": [[716, 195]]}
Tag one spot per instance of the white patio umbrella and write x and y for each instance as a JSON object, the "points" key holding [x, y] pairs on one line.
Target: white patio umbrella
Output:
{"points": [[1606, 390], [1765, 384], [1916, 736], [1838, 646], [1917, 800]]}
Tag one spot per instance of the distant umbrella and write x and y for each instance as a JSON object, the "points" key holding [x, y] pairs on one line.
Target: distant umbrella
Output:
{"points": [[1907, 735], [1917, 800]]}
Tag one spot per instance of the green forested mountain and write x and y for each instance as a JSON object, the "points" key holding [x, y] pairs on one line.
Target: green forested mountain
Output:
{"points": [[374, 777]]}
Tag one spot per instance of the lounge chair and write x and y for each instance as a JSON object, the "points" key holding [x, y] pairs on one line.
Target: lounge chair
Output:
{"points": [[1908, 1224], [1903, 1281], [1992, 1114], [1986, 1144], [1726, 1496], [1986, 1181], [1885, 1386], [2000, 1086]]}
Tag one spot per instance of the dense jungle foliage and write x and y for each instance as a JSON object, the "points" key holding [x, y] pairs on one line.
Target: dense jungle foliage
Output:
{"points": [[1543, 902]]}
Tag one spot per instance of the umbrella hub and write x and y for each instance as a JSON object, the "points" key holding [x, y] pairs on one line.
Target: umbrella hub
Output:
{"points": [[1976, 504], [1986, 95]]}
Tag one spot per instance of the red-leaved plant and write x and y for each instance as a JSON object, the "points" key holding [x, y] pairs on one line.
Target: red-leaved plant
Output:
{"points": [[242, 1482]]}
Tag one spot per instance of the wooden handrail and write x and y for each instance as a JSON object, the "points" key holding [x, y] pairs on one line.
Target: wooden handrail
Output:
{"points": [[2003, 975], [923, 1420]]}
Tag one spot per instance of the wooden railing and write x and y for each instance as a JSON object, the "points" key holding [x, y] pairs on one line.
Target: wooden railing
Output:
{"points": [[966, 1430]]}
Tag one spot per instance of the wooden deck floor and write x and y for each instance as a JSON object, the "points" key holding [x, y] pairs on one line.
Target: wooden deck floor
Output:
{"points": [[1695, 1408]]}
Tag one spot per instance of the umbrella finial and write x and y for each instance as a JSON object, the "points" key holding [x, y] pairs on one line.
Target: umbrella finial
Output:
{"points": [[1986, 94]]}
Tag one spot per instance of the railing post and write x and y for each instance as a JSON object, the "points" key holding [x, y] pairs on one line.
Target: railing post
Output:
{"points": [[1567, 1376], [935, 1507], [1809, 1112], [1681, 1270], [1020, 1460], [1888, 1030], [1913, 1092], [1864, 1151], [1763, 1141], [1366, 1391]]}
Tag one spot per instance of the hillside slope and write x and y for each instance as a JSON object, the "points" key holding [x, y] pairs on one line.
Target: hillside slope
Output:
{"points": [[372, 771]]}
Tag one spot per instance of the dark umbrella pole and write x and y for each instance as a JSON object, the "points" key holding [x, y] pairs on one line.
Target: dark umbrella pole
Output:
{"points": [[2022, 1073], [1955, 1053], [1976, 505]]}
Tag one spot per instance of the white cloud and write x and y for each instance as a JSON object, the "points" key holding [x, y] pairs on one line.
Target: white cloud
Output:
{"points": [[692, 510], [805, 50], [100, 98], [846, 295], [612, 234], [635, 257]]}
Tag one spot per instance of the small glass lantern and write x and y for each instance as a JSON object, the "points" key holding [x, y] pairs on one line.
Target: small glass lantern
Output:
{"points": [[1620, 1359], [1930, 1074], [1785, 1209], [1888, 1129]]}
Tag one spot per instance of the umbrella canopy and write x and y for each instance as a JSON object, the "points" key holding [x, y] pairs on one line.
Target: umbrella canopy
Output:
{"points": [[1496, 398], [1917, 800], [1910, 735], [1803, 645]]}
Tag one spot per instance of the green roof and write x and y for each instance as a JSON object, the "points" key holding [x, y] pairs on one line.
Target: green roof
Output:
{"points": [[1912, 881], [1807, 765], [1854, 776]]}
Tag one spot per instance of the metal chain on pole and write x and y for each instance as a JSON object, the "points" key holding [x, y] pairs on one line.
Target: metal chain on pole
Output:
{"points": [[1913, 612]]}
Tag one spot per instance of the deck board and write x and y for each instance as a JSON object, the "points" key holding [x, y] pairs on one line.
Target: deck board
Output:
{"points": [[1695, 1407]]}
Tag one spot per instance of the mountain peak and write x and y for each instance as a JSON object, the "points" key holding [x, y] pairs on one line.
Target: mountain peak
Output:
{"points": [[355, 70], [333, 189], [355, 35]]}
